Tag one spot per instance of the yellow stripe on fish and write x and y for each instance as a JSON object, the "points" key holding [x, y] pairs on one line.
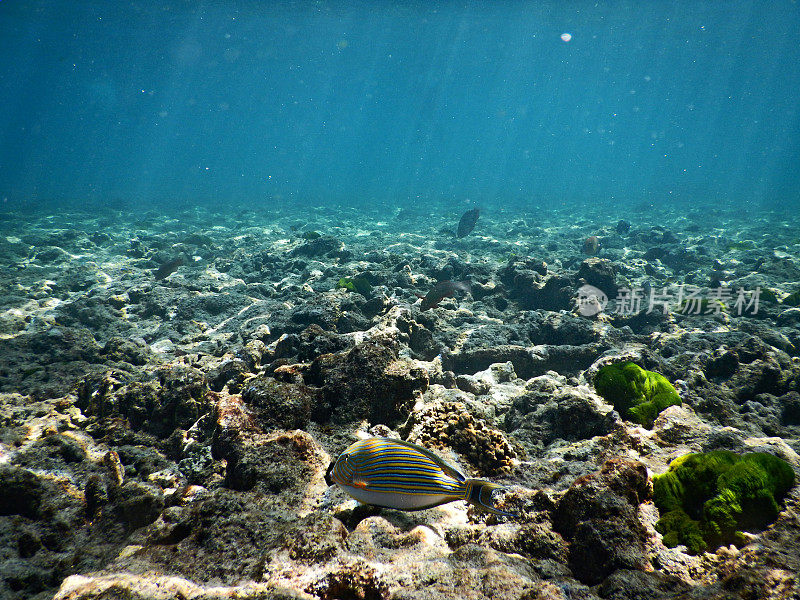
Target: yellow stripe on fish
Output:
{"points": [[402, 475]]}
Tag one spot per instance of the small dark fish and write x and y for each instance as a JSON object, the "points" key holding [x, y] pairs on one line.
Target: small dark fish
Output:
{"points": [[168, 268], [591, 245], [623, 227], [467, 222], [443, 289]]}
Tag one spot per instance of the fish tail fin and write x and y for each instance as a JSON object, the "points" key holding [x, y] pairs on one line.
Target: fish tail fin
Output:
{"points": [[479, 493]]}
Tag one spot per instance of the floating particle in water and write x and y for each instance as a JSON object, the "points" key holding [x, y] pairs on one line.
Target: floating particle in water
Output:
{"points": [[566, 37]]}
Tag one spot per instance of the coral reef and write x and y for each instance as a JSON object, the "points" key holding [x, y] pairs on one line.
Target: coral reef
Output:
{"points": [[169, 437], [450, 424]]}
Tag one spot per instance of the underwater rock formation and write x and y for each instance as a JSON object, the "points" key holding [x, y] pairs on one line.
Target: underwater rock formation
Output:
{"points": [[171, 438], [598, 517]]}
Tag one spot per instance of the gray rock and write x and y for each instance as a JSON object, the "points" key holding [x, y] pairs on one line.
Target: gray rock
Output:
{"points": [[276, 404], [22, 492], [598, 516], [473, 385], [600, 273], [679, 425], [550, 410]]}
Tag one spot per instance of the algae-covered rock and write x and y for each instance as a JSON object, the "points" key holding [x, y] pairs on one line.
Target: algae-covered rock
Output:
{"points": [[637, 394], [356, 284], [279, 404], [175, 398], [707, 499], [792, 299], [22, 492]]}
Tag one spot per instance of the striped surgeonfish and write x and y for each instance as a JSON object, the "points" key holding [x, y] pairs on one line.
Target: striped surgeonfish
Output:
{"points": [[398, 474]]}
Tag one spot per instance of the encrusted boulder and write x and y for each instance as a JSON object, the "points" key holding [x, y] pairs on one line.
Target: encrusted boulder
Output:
{"points": [[319, 246], [366, 382], [315, 538], [356, 580], [175, 398], [549, 409], [229, 372], [680, 425], [531, 284], [624, 584], [600, 273], [136, 504], [598, 517], [22, 492], [276, 404], [536, 541], [313, 341], [277, 463]]}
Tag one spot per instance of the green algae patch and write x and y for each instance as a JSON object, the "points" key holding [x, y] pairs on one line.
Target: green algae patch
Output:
{"points": [[742, 245], [356, 284], [638, 395], [708, 499], [767, 295], [792, 299], [701, 306]]}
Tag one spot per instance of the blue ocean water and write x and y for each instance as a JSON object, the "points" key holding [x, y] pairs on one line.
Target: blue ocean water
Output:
{"points": [[263, 103]]}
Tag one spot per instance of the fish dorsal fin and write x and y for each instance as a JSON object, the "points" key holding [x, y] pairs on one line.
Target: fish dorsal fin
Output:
{"points": [[446, 467]]}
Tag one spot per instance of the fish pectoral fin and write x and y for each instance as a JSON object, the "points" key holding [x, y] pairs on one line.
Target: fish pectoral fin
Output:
{"points": [[359, 483]]}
